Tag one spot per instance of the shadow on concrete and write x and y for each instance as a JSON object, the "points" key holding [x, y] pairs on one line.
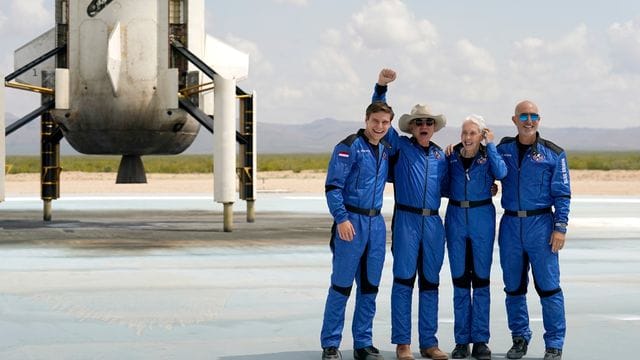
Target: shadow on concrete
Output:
{"points": [[289, 355], [347, 354], [152, 229]]}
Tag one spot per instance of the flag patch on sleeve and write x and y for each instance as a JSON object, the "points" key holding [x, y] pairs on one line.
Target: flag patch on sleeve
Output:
{"points": [[344, 154]]}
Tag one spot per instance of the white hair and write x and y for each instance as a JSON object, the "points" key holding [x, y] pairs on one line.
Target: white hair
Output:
{"points": [[475, 119]]}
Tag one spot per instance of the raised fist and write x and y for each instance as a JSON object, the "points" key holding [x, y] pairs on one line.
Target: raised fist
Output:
{"points": [[386, 76]]}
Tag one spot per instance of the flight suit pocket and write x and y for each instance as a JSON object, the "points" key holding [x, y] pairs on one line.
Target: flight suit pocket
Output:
{"points": [[545, 181]]}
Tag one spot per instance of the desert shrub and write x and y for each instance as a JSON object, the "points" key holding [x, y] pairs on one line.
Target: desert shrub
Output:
{"points": [[179, 164]]}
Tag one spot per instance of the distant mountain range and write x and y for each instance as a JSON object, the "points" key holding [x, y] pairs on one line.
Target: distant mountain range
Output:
{"points": [[320, 136]]}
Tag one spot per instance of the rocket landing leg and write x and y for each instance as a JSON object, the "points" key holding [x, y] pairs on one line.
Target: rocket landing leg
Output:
{"points": [[251, 211], [46, 210], [228, 217], [50, 136]]}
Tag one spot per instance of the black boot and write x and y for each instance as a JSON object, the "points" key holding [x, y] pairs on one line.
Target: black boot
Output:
{"points": [[519, 348], [367, 353], [553, 354], [461, 351], [331, 353], [481, 351]]}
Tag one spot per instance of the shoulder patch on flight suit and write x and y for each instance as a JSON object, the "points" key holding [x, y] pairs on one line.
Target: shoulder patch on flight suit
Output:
{"points": [[551, 146], [507, 140], [385, 143], [349, 139]]}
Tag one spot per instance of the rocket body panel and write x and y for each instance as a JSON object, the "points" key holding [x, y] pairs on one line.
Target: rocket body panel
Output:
{"points": [[117, 85], [31, 51], [117, 62]]}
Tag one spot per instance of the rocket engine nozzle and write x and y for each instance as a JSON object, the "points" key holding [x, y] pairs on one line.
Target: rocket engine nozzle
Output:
{"points": [[131, 170]]}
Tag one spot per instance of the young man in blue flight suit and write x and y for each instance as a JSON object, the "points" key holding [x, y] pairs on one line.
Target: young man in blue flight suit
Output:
{"points": [[354, 188], [470, 227], [535, 196], [419, 168]]}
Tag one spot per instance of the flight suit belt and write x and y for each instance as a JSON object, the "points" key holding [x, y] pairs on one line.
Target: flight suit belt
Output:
{"points": [[415, 210], [361, 211], [526, 213], [470, 203]]}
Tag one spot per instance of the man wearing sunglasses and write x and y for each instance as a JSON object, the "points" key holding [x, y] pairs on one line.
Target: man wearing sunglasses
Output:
{"points": [[418, 170], [535, 196]]}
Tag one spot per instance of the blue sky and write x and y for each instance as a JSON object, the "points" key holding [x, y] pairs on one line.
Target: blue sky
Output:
{"points": [[311, 59]]}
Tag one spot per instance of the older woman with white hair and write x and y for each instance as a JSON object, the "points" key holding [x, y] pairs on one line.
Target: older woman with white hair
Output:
{"points": [[470, 231]]}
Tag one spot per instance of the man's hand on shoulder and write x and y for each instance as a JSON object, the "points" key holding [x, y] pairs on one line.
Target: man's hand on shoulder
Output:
{"points": [[386, 76], [449, 149]]}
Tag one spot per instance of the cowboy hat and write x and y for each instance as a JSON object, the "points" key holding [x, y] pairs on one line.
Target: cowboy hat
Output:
{"points": [[421, 111]]}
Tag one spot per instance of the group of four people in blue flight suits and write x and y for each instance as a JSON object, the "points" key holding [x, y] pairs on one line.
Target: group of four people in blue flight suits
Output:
{"points": [[535, 178]]}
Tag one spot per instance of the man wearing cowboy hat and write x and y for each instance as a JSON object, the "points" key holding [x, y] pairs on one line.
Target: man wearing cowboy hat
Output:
{"points": [[418, 170]]}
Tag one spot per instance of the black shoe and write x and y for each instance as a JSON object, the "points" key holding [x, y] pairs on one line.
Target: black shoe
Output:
{"points": [[519, 348], [331, 353], [367, 353], [552, 354], [461, 351], [481, 351]]}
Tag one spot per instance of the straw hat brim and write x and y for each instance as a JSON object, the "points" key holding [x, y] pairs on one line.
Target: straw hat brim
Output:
{"points": [[405, 119]]}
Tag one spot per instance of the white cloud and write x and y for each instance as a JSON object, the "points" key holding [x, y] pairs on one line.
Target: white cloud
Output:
{"points": [[572, 75], [335, 79], [333, 66], [6, 62], [575, 42], [389, 24], [293, 2], [476, 58], [332, 38], [567, 60], [258, 62], [283, 94], [580, 76], [26, 15], [386, 34], [3, 20], [624, 39]]}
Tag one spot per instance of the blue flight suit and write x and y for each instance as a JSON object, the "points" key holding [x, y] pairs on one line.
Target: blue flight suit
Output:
{"points": [[418, 233], [470, 226], [529, 192], [354, 188]]}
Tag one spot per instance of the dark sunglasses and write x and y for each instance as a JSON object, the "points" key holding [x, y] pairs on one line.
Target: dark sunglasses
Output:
{"points": [[525, 116], [428, 122]]}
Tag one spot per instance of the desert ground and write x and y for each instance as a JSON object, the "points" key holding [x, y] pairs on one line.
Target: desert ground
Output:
{"points": [[583, 182]]}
